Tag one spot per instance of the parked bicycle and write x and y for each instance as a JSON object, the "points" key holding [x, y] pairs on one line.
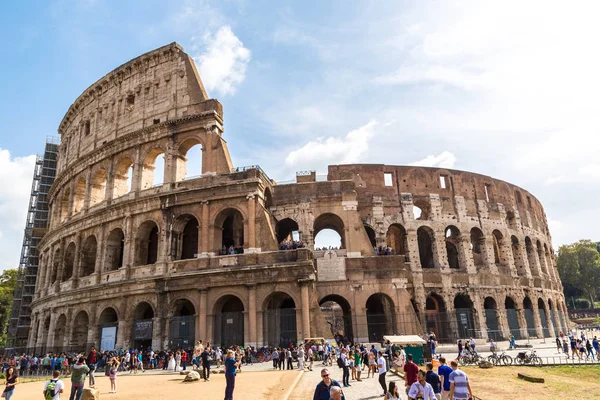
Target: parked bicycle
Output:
{"points": [[523, 358], [500, 359], [468, 358]]}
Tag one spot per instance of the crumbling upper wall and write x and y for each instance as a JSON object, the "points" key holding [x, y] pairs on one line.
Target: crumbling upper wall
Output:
{"points": [[155, 87]]}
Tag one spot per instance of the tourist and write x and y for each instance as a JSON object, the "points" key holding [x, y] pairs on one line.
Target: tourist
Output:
{"points": [[421, 389], [566, 348], [11, 380], [282, 357], [392, 393], [322, 391], [444, 372], [177, 360], [335, 393], [112, 374], [434, 380], [301, 358], [357, 364], [472, 344], [275, 356], [460, 348], [382, 369], [512, 343], [231, 364], [311, 358], [493, 346], [205, 356], [460, 389], [410, 372], [288, 355], [558, 345], [344, 363], [596, 346], [78, 379], [184, 357], [92, 361], [54, 387]]}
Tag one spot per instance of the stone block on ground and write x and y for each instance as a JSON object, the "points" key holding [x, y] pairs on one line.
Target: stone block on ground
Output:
{"points": [[192, 376], [90, 394]]}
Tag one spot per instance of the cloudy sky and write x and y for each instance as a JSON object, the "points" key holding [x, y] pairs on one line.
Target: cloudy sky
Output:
{"points": [[509, 89]]}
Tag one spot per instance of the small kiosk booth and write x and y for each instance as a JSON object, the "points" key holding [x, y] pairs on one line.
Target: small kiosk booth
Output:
{"points": [[413, 344]]}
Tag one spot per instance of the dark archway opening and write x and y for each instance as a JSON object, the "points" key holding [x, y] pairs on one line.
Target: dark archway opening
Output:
{"points": [[142, 326], [491, 318], [88, 256], [397, 239], [229, 321], [452, 243], [371, 235], [287, 231], [279, 320], [108, 323], [326, 223], [425, 239], [189, 240], [465, 321], [81, 326], [512, 317], [230, 239], [436, 319], [528, 310], [338, 316], [381, 317], [68, 262], [543, 318], [115, 247], [183, 325], [147, 244]]}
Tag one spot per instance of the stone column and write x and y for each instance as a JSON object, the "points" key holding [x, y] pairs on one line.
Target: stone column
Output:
{"points": [[170, 162], [202, 331], [479, 316], [93, 333], [30, 336], [88, 187], [252, 224], [100, 254], [522, 321], [305, 309], [523, 254], [59, 272], [205, 242], [259, 330], [71, 199], [159, 325], [122, 341], [110, 182], [76, 258], [252, 314], [548, 312], [138, 165], [440, 258], [413, 250], [503, 322], [488, 253], [537, 320], [465, 249], [51, 330]]}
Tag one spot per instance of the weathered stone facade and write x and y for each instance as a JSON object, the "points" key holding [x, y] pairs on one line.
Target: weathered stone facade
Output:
{"points": [[123, 253]]}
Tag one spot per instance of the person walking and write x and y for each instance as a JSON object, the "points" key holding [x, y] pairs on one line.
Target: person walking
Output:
{"points": [[92, 362], [357, 364], [12, 379], [78, 374], [345, 368], [275, 356], [231, 365], [410, 372], [205, 356], [421, 389], [512, 343], [460, 389], [558, 345], [444, 372], [323, 389], [290, 360], [282, 358], [54, 387], [382, 368], [434, 380]]}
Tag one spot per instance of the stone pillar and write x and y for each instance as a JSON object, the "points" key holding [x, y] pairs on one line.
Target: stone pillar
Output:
{"points": [[71, 199], [159, 325], [537, 320], [557, 318], [259, 329], [522, 321], [30, 336], [138, 166], [413, 250], [170, 162], [523, 254], [548, 312], [201, 330], [76, 258], [88, 191], [503, 322], [479, 316], [128, 245], [465, 251], [305, 309], [252, 315], [252, 224], [205, 242], [59, 272], [122, 333], [93, 331], [440, 258], [488, 254], [110, 182], [100, 254], [51, 330]]}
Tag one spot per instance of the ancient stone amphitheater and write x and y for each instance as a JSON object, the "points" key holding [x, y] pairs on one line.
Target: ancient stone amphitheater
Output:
{"points": [[128, 262]]}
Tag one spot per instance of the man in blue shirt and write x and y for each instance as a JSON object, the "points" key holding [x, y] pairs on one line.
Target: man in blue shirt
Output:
{"points": [[322, 390], [444, 372], [231, 365]]}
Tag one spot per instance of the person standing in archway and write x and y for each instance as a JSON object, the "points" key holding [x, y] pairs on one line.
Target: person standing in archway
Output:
{"points": [[231, 365]]}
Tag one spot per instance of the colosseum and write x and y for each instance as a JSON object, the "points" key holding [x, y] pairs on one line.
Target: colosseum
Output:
{"points": [[129, 262]]}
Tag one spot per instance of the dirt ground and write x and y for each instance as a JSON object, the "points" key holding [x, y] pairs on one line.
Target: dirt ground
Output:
{"points": [[268, 385], [565, 382]]}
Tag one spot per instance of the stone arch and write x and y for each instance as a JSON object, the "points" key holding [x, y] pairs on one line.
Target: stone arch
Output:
{"points": [[79, 195], [491, 318], [421, 208], [499, 244], [543, 317], [426, 240], [528, 311], [371, 235], [64, 204], [397, 239], [518, 256], [229, 321], [147, 243], [541, 259], [98, 186], [552, 313], [549, 264], [81, 325], [332, 222], [279, 319], [436, 318], [185, 240], [122, 175], [88, 256], [142, 327], [381, 316], [153, 158], [268, 199], [465, 320], [55, 266], [531, 256], [108, 323], [285, 228], [511, 220], [512, 317], [183, 157], [338, 315], [115, 247], [453, 238], [229, 230], [478, 247], [68, 260], [183, 324], [60, 332], [108, 315]]}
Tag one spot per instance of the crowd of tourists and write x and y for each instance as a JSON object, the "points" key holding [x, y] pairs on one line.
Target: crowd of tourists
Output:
{"points": [[231, 250], [579, 347], [290, 245], [383, 251]]}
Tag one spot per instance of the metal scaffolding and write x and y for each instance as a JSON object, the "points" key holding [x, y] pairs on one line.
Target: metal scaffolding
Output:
{"points": [[35, 228]]}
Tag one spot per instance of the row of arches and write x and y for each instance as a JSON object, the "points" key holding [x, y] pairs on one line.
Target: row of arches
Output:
{"points": [[126, 174]]}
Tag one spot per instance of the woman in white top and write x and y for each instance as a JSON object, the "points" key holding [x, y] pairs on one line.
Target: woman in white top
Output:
{"points": [[392, 393]]}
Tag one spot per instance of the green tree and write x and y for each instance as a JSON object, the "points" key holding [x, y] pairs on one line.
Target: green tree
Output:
{"points": [[579, 268], [8, 282]]}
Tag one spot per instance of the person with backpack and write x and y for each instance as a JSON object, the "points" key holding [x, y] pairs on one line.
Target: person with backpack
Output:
{"points": [[54, 387]]}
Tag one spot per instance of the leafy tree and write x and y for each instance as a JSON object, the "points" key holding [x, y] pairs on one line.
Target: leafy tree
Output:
{"points": [[579, 268], [8, 282]]}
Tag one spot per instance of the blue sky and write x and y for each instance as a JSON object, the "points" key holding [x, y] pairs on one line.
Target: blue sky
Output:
{"points": [[507, 89]]}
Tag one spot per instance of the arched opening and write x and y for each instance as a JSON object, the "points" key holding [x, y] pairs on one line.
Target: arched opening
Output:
{"points": [[425, 238], [68, 261], [550, 267], [98, 187], [531, 256], [328, 231], [517, 256], [55, 265], [108, 323], [436, 320], [153, 169], [182, 326], [477, 247], [338, 316], [287, 232], [381, 316], [189, 161], [45, 334], [185, 238], [463, 307], [491, 318], [371, 235], [268, 198], [64, 204], [142, 326], [115, 245], [81, 326], [60, 333], [511, 316], [543, 317], [79, 195], [147, 244], [452, 246], [421, 209], [511, 220], [553, 318], [279, 320], [397, 239], [123, 173], [230, 238], [541, 259], [499, 252], [229, 321], [88, 256], [528, 311]]}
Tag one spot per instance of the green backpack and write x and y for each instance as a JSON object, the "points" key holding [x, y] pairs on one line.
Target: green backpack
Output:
{"points": [[49, 395]]}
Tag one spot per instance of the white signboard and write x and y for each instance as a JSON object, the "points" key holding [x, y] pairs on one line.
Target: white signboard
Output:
{"points": [[109, 338]]}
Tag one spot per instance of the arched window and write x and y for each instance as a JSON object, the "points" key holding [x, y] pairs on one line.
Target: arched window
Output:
{"points": [[142, 326], [531, 256], [513, 319], [511, 220], [98, 187], [68, 261], [279, 320], [115, 246], [436, 318], [371, 235], [528, 310], [287, 232], [80, 330], [541, 258], [499, 256], [189, 238], [397, 239], [229, 239], [543, 317], [338, 316], [452, 246], [229, 321], [426, 239], [463, 307], [189, 161], [268, 198], [64, 204], [182, 324], [491, 318], [381, 316], [79, 195], [123, 174], [328, 231], [477, 247], [147, 244], [153, 169], [88, 256]]}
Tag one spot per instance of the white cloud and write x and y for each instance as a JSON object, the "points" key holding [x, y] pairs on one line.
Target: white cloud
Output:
{"points": [[222, 64], [15, 187], [322, 151], [442, 160]]}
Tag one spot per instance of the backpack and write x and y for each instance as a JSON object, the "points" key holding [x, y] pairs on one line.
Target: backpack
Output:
{"points": [[49, 394], [340, 362]]}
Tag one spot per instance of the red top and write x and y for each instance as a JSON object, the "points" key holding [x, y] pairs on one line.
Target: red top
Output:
{"points": [[410, 371], [183, 356]]}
